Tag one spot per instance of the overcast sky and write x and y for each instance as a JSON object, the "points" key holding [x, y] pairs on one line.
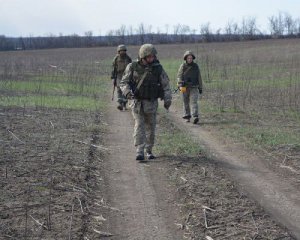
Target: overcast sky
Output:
{"points": [[42, 17]]}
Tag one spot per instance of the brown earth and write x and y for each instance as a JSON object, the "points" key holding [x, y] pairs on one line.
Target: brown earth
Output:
{"points": [[72, 174], [275, 190], [67, 174], [167, 198]]}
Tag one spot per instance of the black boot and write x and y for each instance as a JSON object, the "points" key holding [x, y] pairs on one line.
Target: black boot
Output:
{"points": [[124, 105], [196, 120], [187, 118], [140, 157], [150, 155], [120, 107]]}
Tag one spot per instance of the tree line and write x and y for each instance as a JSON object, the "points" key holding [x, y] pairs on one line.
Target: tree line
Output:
{"points": [[282, 25]]}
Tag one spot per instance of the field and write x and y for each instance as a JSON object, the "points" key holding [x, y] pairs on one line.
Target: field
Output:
{"points": [[54, 111]]}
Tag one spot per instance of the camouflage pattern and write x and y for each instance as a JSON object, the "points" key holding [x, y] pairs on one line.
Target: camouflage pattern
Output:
{"points": [[190, 97], [144, 114], [189, 76], [146, 50], [187, 53], [143, 110], [121, 47], [119, 66]]}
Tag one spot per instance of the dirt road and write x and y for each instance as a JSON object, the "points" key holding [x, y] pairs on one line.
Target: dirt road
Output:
{"points": [[59, 181], [144, 205], [274, 194], [142, 209]]}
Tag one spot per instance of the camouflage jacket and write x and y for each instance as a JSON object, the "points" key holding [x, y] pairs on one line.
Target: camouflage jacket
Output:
{"points": [[189, 75], [131, 78], [119, 65]]}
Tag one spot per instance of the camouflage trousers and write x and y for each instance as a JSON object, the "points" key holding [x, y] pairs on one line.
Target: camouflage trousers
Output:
{"points": [[144, 114], [190, 98], [121, 97]]}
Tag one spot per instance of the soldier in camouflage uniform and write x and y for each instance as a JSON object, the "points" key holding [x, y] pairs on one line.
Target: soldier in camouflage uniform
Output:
{"points": [[189, 78], [121, 60], [145, 81]]}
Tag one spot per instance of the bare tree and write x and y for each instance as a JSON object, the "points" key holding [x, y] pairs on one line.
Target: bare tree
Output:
{"points": [[276, 24], [167, 28], [121, 33], [206, 32], [289, 24], [141, 33], [297, 26], [229, 27], [184, 30], [251, 28], [176, 29], [88, 38]]}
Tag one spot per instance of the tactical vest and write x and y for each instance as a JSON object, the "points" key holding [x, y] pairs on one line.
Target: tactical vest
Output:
{"points": [[121, 63], [146, 81], [190, 74]]}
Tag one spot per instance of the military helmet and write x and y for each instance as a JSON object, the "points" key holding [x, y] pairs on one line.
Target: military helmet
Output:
{"points": [[187, 53], [146, 50], [121, 47]]}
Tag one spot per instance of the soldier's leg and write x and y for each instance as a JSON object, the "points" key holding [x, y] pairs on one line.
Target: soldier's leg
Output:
{"points": [[120, 98], [150, 125], [194, 94], [186, 104], [125, 103], [139, 134]]}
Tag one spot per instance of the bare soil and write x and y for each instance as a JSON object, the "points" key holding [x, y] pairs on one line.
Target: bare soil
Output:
{"points": [[274, 191], [72, 175], [51, 184], [176, 197]]}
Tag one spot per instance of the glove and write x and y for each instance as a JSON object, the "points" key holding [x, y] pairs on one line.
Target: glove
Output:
{"points": [[200, 90], [167, 104], [130, 95]]}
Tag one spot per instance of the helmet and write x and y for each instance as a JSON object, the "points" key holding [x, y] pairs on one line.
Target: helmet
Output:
{"points": [[187, 53], [146, 50], [121, 48]]}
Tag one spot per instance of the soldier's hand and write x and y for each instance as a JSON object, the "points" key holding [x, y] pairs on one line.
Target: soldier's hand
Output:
{"points": [[200, 90], [180, 84], [167, 104]]}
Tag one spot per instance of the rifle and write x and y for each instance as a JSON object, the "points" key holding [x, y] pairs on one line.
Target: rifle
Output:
{"points": [[114, 87], [175, 90]]}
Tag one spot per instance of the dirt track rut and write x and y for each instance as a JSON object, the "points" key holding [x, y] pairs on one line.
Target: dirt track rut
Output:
{"points": [[139, 209], [275, 195]]}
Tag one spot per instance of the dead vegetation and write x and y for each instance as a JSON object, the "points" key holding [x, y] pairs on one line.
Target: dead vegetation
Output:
{"points": [[51, 185], [50, 159], [212, 205]]}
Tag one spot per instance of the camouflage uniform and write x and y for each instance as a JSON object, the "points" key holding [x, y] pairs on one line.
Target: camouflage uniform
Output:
{"points": [[189, 76], [119, 64], [145, 83]]}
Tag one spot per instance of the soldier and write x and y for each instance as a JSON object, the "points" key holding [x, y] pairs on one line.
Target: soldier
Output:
{"points": [[190, 83], [121, 60], [145, 81]]}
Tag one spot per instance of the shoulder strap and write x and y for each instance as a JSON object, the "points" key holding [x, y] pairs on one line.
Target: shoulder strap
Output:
{"points": [[142, 80], [186, 69]]}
